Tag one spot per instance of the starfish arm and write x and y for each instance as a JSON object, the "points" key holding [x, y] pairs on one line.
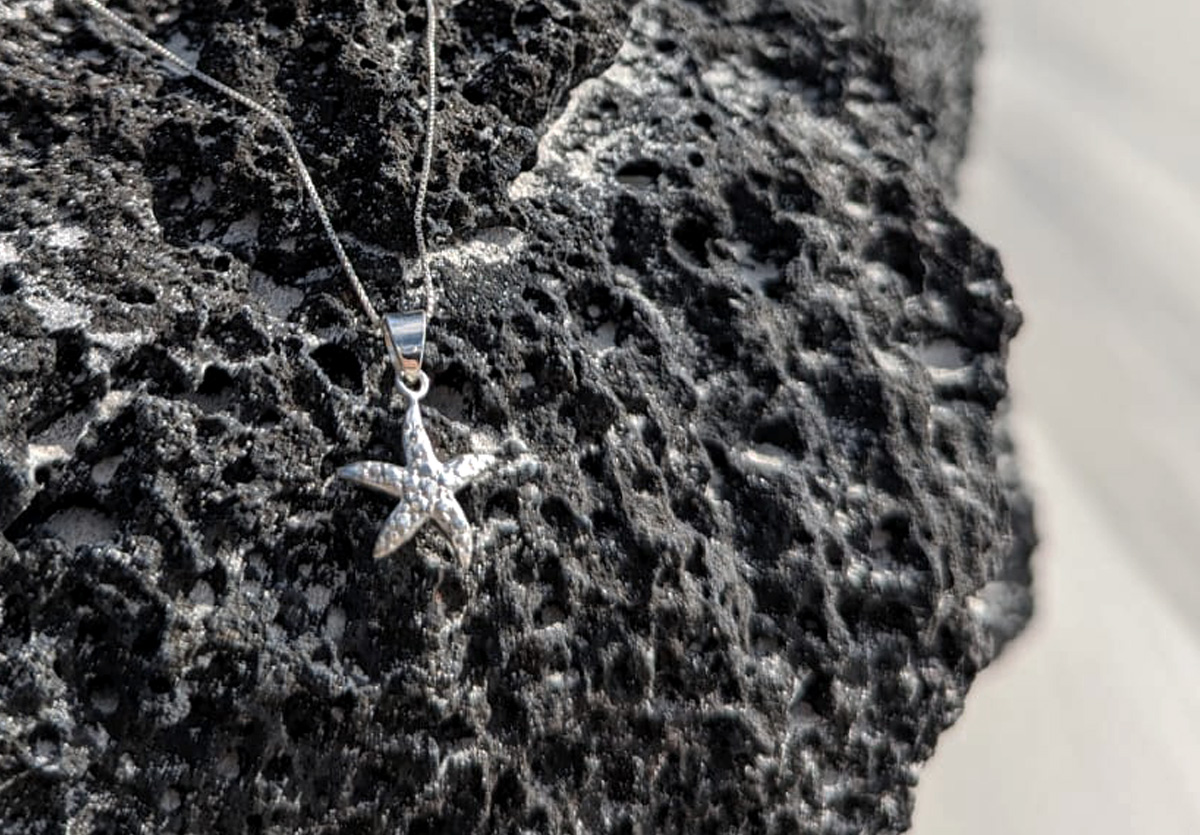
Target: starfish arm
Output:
{"points": [[418, 452], [378, 475], [461, 471], [398, 529], [449, 515]]}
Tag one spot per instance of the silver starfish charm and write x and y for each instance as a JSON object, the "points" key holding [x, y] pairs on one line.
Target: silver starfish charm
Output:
{"points": [[424, 486]]}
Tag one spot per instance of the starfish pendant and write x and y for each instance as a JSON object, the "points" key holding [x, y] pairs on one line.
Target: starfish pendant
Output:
{"points": [[424, 486]]}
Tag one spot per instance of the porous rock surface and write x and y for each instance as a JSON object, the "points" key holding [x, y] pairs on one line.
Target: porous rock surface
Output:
{"points": [[935, 45], [753, 533]]}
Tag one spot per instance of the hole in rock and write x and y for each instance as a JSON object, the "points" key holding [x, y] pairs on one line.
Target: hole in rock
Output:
{"points": [[639, 173], [530, 15], [240, 471], [781, 431], [503, 503], [794, 194], [692, 234], [550, 613], [818, 694], [542, 301], [592, 464], [215, 381], [340, 365], [834, 554], [135, 293], [453, 594], [281, 16], [508, 794], [894, 198], [901, 251]]}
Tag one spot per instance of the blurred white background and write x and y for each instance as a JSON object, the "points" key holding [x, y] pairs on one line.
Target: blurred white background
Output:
{"points": [[1085, 173]]}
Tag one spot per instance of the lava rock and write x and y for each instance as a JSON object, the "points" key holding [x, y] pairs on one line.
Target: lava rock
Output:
{"points": [[754, 530], [935, 45]]}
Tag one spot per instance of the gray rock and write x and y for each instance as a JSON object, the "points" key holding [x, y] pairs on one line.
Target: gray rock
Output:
{"points": [[753, 534], [935, 44]]}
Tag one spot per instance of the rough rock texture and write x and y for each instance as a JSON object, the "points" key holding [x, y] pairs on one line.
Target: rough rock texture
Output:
{"points": [[754, 534], [935, 44]]}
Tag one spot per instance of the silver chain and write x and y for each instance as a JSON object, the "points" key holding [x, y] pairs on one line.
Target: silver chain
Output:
{"points": [[310, 188], [427, 153]]}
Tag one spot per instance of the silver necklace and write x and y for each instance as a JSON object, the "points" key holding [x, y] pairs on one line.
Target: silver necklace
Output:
{"points": [[425, 487]]}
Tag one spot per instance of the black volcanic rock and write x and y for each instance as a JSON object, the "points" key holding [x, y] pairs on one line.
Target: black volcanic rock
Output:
{"points": [[755, 530], [935, 45]]}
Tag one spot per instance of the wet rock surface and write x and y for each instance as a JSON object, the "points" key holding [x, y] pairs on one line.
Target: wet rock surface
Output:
{"points": [[755, 527]]}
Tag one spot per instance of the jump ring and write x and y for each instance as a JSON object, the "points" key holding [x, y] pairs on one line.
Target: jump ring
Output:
{"points": [[419, 392]]}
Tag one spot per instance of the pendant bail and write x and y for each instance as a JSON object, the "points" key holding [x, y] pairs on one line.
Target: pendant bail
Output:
{"points": [[405, 337]]}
